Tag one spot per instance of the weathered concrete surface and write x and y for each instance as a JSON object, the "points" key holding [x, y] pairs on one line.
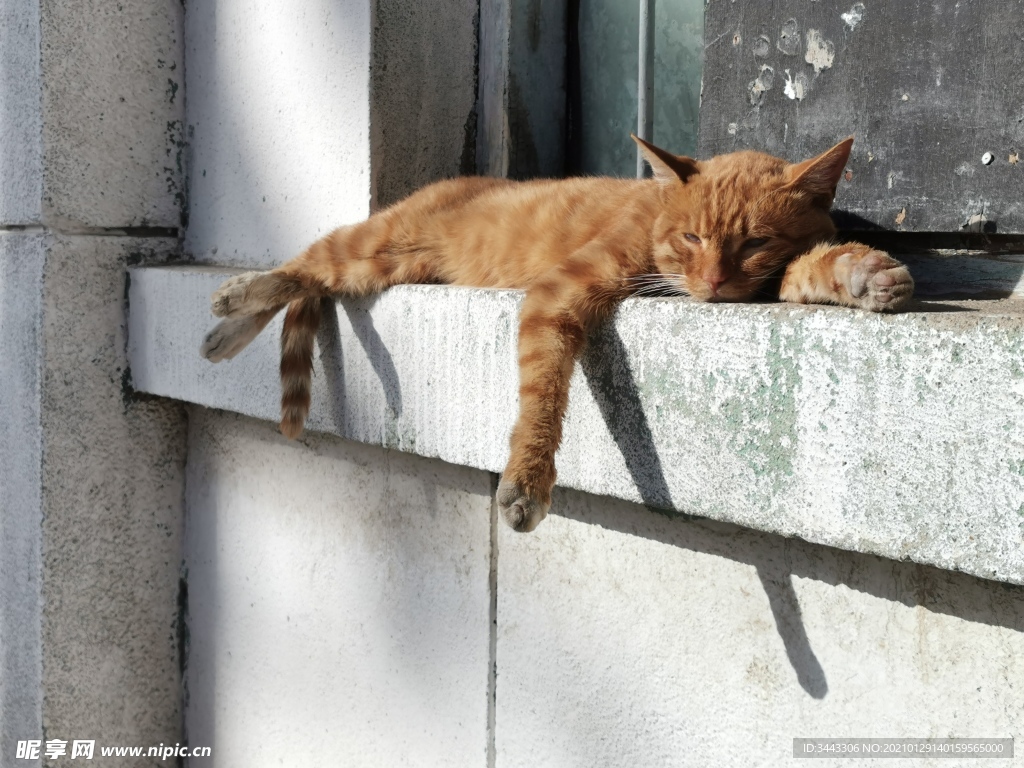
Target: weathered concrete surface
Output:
{"points": [[21, 276], [91, 490], [522, 74], [900, 436], [338, 603], [112, 492], [929, 88], [21, 150], [356, 104], [626, 638], [968, 275], [422, 95], [112, 111]]}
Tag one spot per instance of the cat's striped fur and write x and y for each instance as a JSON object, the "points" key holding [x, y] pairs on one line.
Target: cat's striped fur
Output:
{"points": [[726, 229]]}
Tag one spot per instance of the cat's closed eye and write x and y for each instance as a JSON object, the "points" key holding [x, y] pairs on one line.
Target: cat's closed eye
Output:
{"points": [[692, 238], [755, 242]]}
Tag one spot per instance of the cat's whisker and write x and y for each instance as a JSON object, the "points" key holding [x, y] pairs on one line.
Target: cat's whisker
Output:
{"points": [[660, 288]]}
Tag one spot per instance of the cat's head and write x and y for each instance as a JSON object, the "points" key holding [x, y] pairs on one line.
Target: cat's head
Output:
{"points": [[731, 223]]}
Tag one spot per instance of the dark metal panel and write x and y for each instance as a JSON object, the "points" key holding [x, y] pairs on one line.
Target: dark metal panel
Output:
{"points": [[933, 90]]}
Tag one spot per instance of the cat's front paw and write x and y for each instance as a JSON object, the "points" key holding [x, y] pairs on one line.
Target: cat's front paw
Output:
{"points": [[522, 512], [230, 298], [875, 280]]}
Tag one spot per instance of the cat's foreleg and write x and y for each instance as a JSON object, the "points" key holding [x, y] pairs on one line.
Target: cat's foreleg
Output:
{"points": [[550, 337], [555, 318], [852, 275]]}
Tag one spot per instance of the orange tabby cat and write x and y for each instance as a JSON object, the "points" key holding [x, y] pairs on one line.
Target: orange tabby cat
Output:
{"points": [[719, 230]]}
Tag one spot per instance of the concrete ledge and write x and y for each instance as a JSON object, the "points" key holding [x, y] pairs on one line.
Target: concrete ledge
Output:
{"points": [[898, 436]]}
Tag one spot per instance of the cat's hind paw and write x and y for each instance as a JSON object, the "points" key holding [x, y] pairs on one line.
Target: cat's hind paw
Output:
{"points": [[231, 298], [232, 335], [878, 282], [519, 510]]}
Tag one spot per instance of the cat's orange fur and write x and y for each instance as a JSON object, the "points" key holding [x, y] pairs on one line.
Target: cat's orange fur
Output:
{"points": [[725, 229]]}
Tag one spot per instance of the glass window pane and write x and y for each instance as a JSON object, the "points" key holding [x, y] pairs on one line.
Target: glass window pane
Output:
{"points": [[609, 48]]}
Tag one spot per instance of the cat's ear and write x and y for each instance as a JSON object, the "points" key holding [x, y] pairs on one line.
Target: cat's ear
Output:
{"points": [[666, 166], [820, 175]]}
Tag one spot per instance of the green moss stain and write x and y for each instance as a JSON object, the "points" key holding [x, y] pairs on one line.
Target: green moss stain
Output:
{"points": [[750, 411], [771, 409]]}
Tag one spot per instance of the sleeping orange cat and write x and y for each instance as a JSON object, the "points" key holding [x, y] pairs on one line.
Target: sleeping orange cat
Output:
{"points": [[725, 229]]}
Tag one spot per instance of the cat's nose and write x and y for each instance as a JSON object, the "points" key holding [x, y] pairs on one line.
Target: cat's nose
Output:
{"points": [[713, 281]]}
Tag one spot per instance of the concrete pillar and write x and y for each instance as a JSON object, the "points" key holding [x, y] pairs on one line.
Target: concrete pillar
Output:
{"points": [[92, 474], [304, 118]]}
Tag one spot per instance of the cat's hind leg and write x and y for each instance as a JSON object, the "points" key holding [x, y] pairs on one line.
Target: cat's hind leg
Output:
{"points": [[234, 334], [254, 292], [850, 274]]}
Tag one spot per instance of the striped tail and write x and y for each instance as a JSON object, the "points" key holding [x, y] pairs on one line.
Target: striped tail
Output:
{"points": [[300, 326]]}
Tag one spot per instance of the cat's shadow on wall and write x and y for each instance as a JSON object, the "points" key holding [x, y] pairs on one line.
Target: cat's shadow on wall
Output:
{"points": [[777, 560], [329, 342], [606, 368]]}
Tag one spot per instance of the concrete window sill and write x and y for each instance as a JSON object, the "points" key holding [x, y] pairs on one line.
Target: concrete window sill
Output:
{"points": [[900, 436]]}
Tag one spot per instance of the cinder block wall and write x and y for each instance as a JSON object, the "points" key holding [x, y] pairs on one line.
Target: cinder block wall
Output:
{"points": [[91, 475]]}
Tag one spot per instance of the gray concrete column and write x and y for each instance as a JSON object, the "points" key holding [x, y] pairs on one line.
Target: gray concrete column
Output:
{"points": [[91, 492]]}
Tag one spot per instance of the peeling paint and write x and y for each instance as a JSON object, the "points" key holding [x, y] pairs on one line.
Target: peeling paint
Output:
{"points": [[732, 129], [901, 216], [789, 38], [854, 16], [1014, 158], [762, 46], [820, 52], [980, 222], [760, 85], [796, 87]]}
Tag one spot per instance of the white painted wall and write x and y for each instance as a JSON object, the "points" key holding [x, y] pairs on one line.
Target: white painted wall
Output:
{"points": [[627, 638], [302, 117], [339, 601], [278, 125], [340, 608]]}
